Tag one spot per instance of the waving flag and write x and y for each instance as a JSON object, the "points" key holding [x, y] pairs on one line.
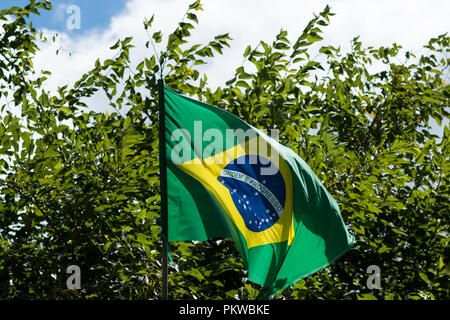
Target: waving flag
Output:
{"points": [[226, 178]]}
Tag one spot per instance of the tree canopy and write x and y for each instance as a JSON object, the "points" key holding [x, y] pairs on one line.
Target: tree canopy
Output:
{"points": [[80, 187]]}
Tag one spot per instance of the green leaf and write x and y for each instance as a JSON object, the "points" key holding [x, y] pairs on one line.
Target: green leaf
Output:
{"points": [[150, 63], [242, 84], [51, 153], [66, 110], [383, 249], [127, 123], [107, 245], [115, 46], [192, 16], [247, 51], [424, 277], [126, 41], [140, 66], [196, 5], [196, 273], [366, 296]]}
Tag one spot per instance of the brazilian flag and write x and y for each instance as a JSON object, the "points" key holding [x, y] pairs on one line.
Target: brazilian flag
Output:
{"points": [[226, 178]]}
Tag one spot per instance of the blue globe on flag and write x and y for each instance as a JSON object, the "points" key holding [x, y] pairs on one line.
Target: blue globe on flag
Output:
{"points": [[258, 198]]}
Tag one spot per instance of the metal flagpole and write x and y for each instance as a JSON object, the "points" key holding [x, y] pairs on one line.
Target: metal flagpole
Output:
{"points": [[163, 188]]}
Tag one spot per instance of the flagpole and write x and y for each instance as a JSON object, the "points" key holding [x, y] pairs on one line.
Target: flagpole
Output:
{"points": [[163, 188]]}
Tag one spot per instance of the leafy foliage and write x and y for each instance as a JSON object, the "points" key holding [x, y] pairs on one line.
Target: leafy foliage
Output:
{"points": [[82, 187]]}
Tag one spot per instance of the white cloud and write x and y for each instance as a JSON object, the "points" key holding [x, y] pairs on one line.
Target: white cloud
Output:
{"points": [[408, 23]]}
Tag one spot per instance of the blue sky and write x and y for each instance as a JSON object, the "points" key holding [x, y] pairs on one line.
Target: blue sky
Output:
{"points": [[95, 14]]}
